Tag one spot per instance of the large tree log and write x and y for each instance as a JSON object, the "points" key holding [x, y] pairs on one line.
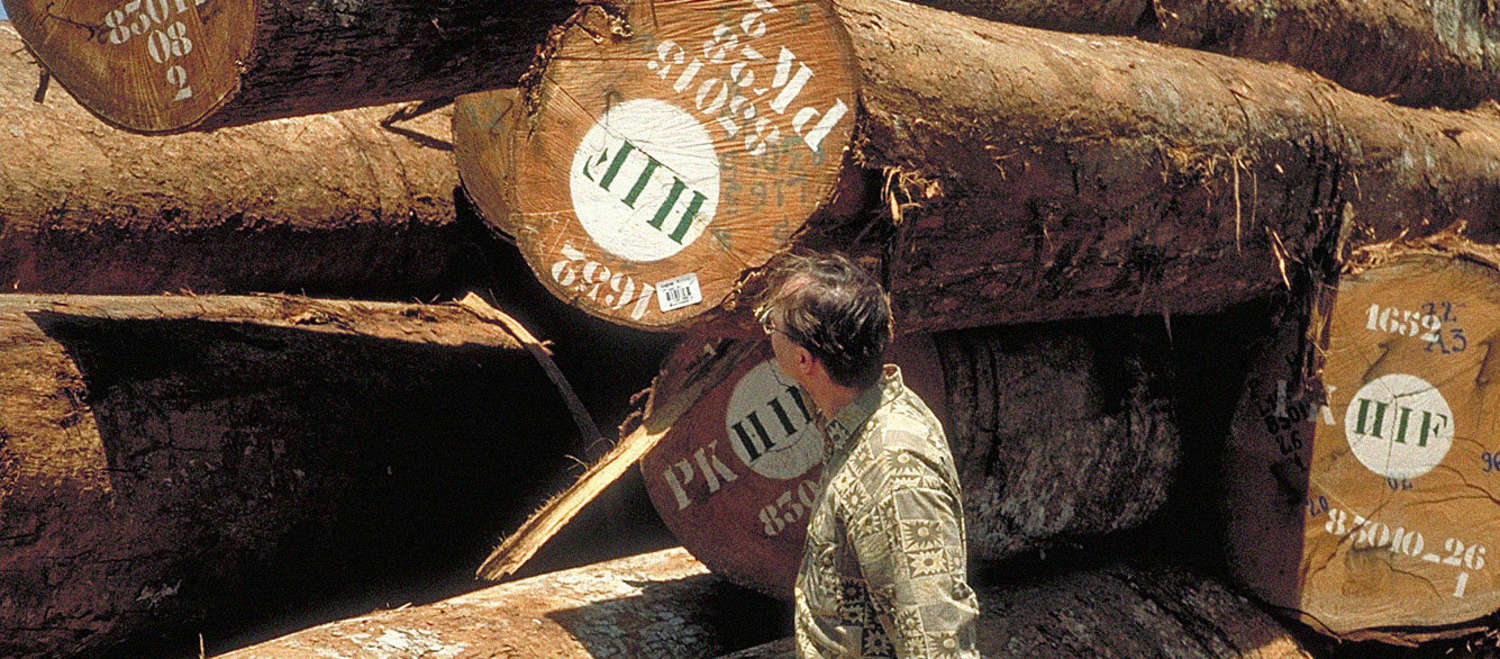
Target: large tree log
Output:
{"points": [[727, 118], [1413, 52], [1121, 611], [332, 204], [1062, 176], [161, 66], [164, 460], [1056, 432], [662, 605], [1363, 471]]}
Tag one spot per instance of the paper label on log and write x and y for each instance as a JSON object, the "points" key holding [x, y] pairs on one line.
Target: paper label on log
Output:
{"points": [[1364, 499], [146, 65], [697, 143], [678, 292]]}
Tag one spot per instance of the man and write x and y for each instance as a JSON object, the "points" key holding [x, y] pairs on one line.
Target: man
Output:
{"points": [[883, 570]]}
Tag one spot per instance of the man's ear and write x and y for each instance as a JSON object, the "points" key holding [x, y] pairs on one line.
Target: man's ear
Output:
{"points": [[804, 360]]}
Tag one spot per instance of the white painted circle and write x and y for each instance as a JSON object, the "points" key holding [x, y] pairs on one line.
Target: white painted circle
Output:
{"points": [[644, 168], [1399, 426], [762, 408]]}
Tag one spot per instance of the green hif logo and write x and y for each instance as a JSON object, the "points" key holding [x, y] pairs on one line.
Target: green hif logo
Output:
{"points": [[769, 424], [649, 167], [1399, 426], [645, 180]]}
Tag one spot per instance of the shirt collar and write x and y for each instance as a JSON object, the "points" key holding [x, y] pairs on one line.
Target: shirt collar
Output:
{"points": [[852, 417]]}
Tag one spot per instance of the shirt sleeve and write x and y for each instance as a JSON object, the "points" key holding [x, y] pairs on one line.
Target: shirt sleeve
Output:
{"points": [[910, 548]]}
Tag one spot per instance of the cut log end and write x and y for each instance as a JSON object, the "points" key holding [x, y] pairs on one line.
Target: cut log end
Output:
{"points": [[1362, 497], [668, 152], [153, 66]]}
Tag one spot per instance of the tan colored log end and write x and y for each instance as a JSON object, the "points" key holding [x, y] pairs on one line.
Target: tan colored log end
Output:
{"points": [[1363, 470]]}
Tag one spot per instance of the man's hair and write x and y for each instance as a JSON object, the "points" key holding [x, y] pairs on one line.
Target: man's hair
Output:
{"points": [[832, 307]]}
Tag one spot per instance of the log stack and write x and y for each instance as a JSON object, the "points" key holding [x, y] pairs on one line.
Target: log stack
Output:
{"points": [[647, 163]]}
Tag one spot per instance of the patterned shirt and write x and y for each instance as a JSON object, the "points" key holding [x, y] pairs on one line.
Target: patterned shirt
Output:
{"points": [[883, 571]]}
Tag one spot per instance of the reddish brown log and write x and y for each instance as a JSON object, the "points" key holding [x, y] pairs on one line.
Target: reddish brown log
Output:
{"points": [[662, 605], [331, 204], [170, 462], [1412, 52], [1121, 611], [1070, 176], [163, 66], [1056, 434], [1363, 474]]}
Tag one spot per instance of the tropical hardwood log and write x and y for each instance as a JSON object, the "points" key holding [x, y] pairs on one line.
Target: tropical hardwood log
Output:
{"points": [[1412, 52], [330, 205], [661, 605], [1362, 473], [163, 66], [167, 459], [1120, 611], [663, 146], [1057, 433], [1059, 176]]}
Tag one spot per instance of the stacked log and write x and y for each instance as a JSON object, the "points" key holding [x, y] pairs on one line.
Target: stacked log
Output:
{"points": [[1410, 52], [1362, 473], [1061, 176], [1119, 611], [624, 174], [1057, 434], [171, 65], [167, 461], [662, 605], [330, 205], [164, 66]]}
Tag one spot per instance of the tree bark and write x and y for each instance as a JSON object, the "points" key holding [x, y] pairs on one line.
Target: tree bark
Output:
{"points": [[164, 66], [1414, 53], [1119, 611], [332, 204], [662, 605], [1362, 473], [1058, 176], [172, 462], [1056, 432]]}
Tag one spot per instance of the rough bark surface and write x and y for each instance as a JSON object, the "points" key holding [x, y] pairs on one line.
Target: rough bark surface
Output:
{"points": [[1122, 611], [662, 605], [1078, 175], [167, 459], [1057, 433], [1362, 475], [331, 204], [242, 61], [1422, 53]]}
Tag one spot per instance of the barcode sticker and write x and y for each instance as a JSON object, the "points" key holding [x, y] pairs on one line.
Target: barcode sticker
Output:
{"points": [[678, 292]]}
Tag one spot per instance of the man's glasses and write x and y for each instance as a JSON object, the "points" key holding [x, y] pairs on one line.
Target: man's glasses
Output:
{"points": [[766, 324]]}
